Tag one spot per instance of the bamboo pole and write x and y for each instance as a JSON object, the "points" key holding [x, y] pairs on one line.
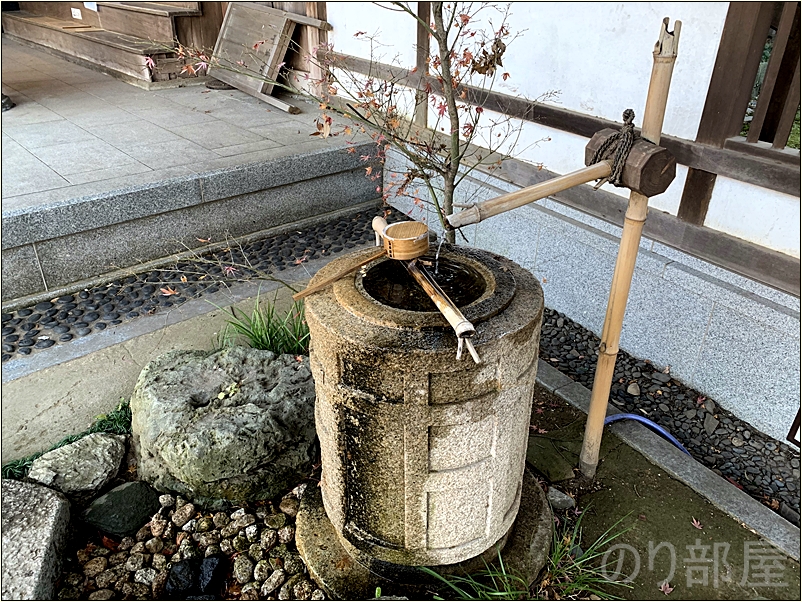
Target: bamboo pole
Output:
{"points": [[665, 53], [530, 194]]}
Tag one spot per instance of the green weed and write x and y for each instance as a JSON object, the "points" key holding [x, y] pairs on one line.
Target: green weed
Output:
{"points": [[572, 572], [267, 329], [490, 583], [117, 422]]}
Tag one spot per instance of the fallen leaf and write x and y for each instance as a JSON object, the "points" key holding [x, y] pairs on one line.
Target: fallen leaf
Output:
{"points": [[110, 543], [667, 370], [203, 239], [183, 279], [666, 588], [696, 523], [167, 291], [641, 517]]}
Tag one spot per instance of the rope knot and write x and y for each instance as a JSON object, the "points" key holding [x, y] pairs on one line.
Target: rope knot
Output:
{"points": [[616, 149]]}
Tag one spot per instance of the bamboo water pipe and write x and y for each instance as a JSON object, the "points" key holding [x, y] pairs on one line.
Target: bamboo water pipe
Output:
{"points": [[665, 54]]}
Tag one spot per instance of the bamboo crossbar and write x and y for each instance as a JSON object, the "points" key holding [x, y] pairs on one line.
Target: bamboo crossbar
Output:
{"points": [[513, 200]]}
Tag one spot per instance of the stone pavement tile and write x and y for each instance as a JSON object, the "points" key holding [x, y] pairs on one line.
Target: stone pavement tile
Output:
{"points": [[170, 154], [100, 116], [765, 372], [215, 135], [172, 116], [280, 130], [38, 135], [247, 149], [28, 111], [135, 132], [22, 74], [110, 173], [21, 273], [25, 173], [66, 159], [248, 116]]}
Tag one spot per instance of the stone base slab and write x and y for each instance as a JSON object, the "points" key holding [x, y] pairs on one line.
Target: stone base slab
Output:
{"points": [[342, 577]]}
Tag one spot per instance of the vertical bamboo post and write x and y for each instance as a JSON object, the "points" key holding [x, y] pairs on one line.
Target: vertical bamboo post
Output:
{"points": [[665, 53]]}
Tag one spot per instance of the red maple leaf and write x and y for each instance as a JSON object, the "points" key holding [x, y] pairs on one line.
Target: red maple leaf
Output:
{"points": [[696, 523], [167, 291], [666, 588]]}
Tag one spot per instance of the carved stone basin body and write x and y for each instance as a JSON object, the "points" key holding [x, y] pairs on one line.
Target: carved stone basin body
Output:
{"points": [[423, 455]]}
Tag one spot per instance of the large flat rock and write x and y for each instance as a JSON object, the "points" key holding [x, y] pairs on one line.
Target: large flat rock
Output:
{"points": [[35, 521]]}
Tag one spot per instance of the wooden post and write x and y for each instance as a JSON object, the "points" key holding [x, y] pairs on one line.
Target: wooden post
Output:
{"points": [[665, 53]]}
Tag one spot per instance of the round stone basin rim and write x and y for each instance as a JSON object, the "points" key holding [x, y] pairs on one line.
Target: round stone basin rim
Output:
{"points": [[499, 291]]}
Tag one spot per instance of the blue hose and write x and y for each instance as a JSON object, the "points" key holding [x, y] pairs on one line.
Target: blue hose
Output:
{"points": [[652, 425]]}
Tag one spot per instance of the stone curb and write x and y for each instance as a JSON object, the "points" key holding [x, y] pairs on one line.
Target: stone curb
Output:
{"points": [[724, 496]]}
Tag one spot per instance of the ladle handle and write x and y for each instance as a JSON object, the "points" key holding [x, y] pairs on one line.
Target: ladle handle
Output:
{"points": [[379, 224], [332, 279]]}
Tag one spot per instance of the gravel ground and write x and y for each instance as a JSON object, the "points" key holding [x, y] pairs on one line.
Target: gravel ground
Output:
{"points": [[186, 553], [763, 467]]}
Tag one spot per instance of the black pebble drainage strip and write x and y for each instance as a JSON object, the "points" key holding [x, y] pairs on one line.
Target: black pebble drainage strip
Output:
{"points": [[765, 469], [61, 320]]}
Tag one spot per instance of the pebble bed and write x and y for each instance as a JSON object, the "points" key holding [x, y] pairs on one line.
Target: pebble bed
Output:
{"points": [[766, 469], [246, 553], [61, 320]]}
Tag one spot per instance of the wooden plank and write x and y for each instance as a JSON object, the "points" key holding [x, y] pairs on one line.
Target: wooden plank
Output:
{"points": [[789, 112], [164, 9], [298, 18], [143, 25], [255, 35], [772, 70], [696, 196], [742, 40], [200, 32]]}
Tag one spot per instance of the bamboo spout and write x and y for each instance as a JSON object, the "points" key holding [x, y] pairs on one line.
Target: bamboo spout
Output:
{"points": [[530, 194]]}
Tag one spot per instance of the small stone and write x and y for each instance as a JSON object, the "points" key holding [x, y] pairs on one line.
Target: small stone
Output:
{"points": [[245, 520], [207, 539], [747, 435], [181, 579], [241, 543], [243, 569], [159, 562], [251, 594], [204, 524], [166, 500], [690, 414], [737, 441], [273, 582], [318, 595], [189, 551], [136, 562], [95, 566], [710, 406], [69, 593], [276, 521], [101, 594], [560, 500], [221, 520], [229, 530], [118, 558], [289, 506], [137, 590], [269, 539], [303, 590], [252, 532], [74, 579], [183, 514], [238, 513], [633, 389], [211, 550], [154, 545], [261, 571], [126, 543], [286, 591], [139, 548], [157, 527], [145, 576], [190, 526], [660, 377], [663, 407], [226, 546], [710, 424], [294, 565], [159, 582], [179, 502], [286, 534]]}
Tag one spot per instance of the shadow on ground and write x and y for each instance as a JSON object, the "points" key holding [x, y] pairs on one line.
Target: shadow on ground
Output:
{"points": [[716, 559]]}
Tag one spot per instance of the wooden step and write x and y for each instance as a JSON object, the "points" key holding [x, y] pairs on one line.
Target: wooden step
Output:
{"points": [[113, 51], [174, 9]]}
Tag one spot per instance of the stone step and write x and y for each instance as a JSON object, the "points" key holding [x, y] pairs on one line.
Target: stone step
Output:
{"points": [[57, 242]]}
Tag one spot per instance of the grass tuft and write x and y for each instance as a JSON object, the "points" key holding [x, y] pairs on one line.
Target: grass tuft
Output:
{"points": [[116, 422], [267, 329], [490, 583]]}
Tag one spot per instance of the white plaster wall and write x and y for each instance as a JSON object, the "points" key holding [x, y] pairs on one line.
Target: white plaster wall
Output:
{"points": [[765, 217], [599, 57]]}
